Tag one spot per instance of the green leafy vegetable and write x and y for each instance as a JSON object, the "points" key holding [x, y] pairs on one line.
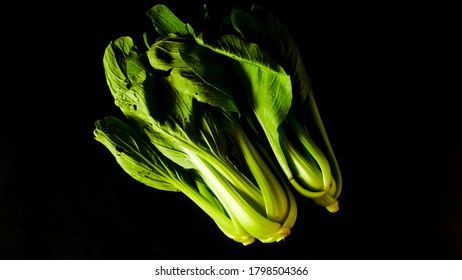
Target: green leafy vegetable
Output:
{"points": [[264, 28], [212, 116], [147, 165]]}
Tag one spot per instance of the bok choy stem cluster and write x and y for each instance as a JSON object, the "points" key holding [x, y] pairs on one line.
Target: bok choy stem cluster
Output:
{"points": [[224, 113]]}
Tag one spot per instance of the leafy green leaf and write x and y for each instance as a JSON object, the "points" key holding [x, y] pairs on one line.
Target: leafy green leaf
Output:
{"points": [[145, 164], [239, 49], [183, 60], [265, 29], [128, 79], [136, 156], [165, 22]]}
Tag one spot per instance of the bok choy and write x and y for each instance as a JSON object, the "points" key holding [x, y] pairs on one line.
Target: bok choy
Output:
{"points": [[221, 115]]}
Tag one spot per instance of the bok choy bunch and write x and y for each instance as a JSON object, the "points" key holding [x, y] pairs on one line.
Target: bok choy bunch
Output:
{"points": [[221, 115]]}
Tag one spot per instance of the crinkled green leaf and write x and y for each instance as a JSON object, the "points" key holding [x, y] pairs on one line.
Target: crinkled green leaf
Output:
{"points": [[214, 78], [264, 28], [143, 97], [136, 156], [239, 49], [128, 79], [164, 54], [165, 22], [183, 59]]}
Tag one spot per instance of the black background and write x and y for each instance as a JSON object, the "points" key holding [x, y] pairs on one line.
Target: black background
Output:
{"points": [[375, 70]]}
